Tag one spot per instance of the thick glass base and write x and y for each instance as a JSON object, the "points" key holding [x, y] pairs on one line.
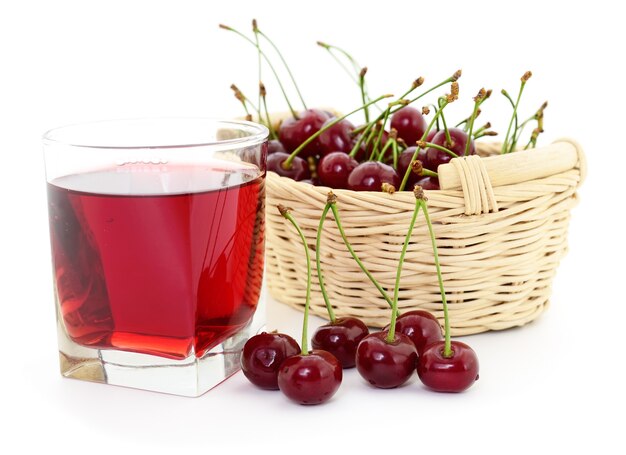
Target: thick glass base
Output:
{"points": [[190, 377]]}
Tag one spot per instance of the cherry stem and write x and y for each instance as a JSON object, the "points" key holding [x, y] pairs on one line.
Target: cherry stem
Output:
{"points": [[282, 59], [428, 173], [364, 97], [282, 88], [391, 335], [447, 350], [439, 147], [386, 147], [270, 126], [259, 58], [285, 212], [506, 147], [244, 100], [287, 163], [354, 256], [407, 174], [320, 276], [477, 102], [445, 125], [395, 151]]}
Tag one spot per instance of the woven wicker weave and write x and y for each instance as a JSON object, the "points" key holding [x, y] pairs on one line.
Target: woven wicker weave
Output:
{"points": [[501, 235]]}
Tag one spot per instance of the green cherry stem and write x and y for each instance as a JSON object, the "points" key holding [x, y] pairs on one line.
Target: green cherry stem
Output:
{"points": [[268, 120], [282, 88], [287, 163], [506, 147], [282, 59], [478, 99], [364, 97], [259, 57], [447, 350], [286, 213], [318, 242], [353, 254], [445, 125], [391, 335]]}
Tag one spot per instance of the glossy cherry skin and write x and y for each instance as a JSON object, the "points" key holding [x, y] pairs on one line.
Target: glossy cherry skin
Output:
{"points": [[293, 132], [262, 356], [341, 339], [410, 124], [386, 365], [371, 175], [454, 374], [274, 146], [421, 327], [337, 138], [428, 183], [459, 139], [333, 169], [299, 169], [310, 379], [404, 161]]}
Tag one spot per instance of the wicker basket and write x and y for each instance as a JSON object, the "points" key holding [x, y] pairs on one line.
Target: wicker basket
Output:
{"points": [[501, 225]]}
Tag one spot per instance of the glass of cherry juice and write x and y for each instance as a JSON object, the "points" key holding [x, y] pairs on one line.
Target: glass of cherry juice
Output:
{"points": [[157, 235]]}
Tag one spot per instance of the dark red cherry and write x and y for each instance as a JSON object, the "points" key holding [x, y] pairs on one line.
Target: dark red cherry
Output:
{"points": [[299, 169], [333, 169], [431, 135], [293, 132], [410, 124], [310, 379], [371, 175], [386, 365], [262, 356], [453, 374], [337, 138], [459, 139], [341, 339], [421, 327], [274, 146], [428, 183]]}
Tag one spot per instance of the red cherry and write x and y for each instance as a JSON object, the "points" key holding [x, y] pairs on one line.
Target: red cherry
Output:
{"points": [[410, 124], [459, 139], [428, 183], [274, 146], [371, 175], [421, 327], [448, 374], [293, 132], [337, 138], [386, 365], [341, 339], [262, 356], [333, 169], [299, 169], [310, 379]]}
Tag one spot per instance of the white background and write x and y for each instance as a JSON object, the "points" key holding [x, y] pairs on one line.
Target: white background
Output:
{"points": [[552, 384]]}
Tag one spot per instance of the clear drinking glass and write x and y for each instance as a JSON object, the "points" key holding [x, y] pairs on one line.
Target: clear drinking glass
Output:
{"points": [[157, 236]]}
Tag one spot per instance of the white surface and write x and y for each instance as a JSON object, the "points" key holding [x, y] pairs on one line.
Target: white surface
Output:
{"points": [[551, 384]]}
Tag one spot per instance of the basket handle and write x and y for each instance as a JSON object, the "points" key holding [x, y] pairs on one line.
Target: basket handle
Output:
{"points": [[477, 176]]}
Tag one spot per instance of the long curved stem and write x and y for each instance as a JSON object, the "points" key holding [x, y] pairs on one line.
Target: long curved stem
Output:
{"points": [[447, 350], [356, 258], [320, 275], [305, 323], [396, 290]]}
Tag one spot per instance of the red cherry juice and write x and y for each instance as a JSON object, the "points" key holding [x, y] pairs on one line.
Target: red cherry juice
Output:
{"points": [[157, 259]]}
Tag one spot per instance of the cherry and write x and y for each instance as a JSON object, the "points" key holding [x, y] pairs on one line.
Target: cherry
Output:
{"points": [[337, 138], [429, 183], [333, 169], [448, 374], [341, 338], [421, 327], [262, 356], [310, 379], [371, 175], [293, 132], [459, 138], [431, 135], [386, 364], [274, 146], [410, 124], [299, 169]]}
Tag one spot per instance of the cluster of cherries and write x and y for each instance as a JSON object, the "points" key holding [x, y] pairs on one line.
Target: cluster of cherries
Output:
{"points": [[386, 359]]}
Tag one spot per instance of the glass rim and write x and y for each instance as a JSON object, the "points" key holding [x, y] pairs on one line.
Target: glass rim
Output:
{"points": [[259, 133]]}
